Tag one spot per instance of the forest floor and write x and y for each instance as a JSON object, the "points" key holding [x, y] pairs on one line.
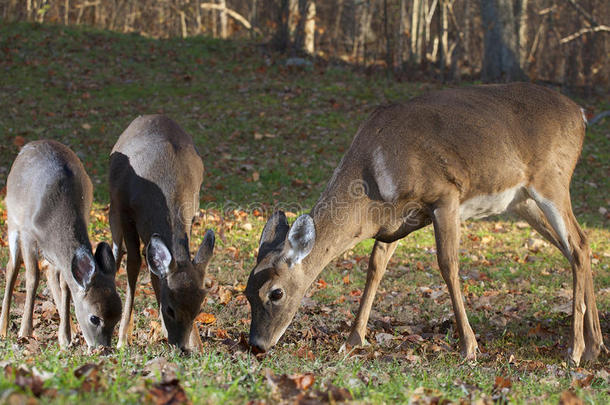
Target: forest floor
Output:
{"points": [[270, 136]]}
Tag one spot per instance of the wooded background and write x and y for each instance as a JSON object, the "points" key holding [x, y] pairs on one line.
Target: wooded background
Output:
{"points": [[560, 41]]}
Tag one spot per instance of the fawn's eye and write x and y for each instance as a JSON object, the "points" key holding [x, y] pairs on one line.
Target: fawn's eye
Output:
{"points": [[95, 320], [276, 294], [170, 312]]}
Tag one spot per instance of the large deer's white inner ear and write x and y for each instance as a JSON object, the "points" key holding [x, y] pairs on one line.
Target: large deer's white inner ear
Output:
{"points": [[301, 239]]}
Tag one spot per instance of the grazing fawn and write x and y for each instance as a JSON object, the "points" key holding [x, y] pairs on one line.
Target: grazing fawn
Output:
{"points": [[48, 200], [155, 177]]}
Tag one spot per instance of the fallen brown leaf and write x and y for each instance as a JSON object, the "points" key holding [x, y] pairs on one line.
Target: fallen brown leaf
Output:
{"points": [[167, 393], [19, 141], [159, 366], [205, 318], [91, 380], [26, 379], [502, 382], [582, 382], [224, 296], [569, 398]]}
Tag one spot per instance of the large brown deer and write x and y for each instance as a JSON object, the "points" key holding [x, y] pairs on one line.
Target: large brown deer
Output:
{"points": [[155, 177], [440, 158], [48, 200]]}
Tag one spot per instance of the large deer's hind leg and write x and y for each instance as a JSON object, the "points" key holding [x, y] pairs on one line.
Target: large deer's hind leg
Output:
{"points": [[12, 268], [586, 331], [594, 343], [32, 277], [529, 211], [380, 256], [446, 221], [134, 261]]}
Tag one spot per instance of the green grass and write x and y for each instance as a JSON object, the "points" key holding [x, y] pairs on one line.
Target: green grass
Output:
{"points": [[248, 114]]}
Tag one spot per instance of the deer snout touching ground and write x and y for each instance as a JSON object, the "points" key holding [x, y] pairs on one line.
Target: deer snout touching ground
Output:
{"points": [[48, 201], [155, 178], [438, 159]]}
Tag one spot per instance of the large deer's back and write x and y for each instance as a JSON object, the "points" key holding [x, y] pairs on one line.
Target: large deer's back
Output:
{"points": [[479, 138]]}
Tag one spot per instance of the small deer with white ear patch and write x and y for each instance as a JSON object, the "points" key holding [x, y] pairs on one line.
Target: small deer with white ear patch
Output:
{"points": [[48, 200], [440, 158], [155, 177]]}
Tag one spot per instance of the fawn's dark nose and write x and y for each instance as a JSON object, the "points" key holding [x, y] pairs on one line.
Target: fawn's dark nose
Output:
{"points": [[257, 345]]}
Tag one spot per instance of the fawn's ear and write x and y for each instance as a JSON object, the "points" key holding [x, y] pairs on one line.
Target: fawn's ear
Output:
{"points": [[105, 259], [83, 268], [205, 252], [300, 240], [158, 256], [273, 235]]}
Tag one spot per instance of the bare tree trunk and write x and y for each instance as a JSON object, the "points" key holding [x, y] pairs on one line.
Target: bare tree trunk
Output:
{"points": [[337, 26], [389, 57], [403, 32], [183, 24], [359, 33], [214, 24], [310, 28], [254, 13], [66, 11], [429, 15], [522, 31], [468, 14], [28, 8], [198, 16], [501, 49], [293, 20], [416, 22], [96, 14], [444, 60], [363, 32], [223, 20]]}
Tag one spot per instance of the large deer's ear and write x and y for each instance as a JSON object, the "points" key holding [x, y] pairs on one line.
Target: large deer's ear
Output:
{"points": [[300, 240], [273, 235], [158, 256]]}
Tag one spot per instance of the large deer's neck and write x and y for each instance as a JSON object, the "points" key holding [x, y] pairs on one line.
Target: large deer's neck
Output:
{"points": [[339, 226]]}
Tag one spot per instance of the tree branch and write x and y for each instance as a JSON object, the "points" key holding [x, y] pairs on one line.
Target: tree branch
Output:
{"points": [[583, 31], [582, 12], [238, 17], [599, 117]]}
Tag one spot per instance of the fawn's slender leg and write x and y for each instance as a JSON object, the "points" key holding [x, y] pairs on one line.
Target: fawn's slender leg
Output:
{"points": [[116, 229], [54, 282], [134, 261], [12, 268], [32, 278]]}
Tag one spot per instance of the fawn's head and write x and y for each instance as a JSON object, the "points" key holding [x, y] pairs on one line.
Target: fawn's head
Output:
{"points": [[181, 285], [96, 301]]}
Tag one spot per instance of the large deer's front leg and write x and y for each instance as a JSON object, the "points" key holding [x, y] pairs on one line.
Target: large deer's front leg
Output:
{"points": [[446, 221], [380, 256]]}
